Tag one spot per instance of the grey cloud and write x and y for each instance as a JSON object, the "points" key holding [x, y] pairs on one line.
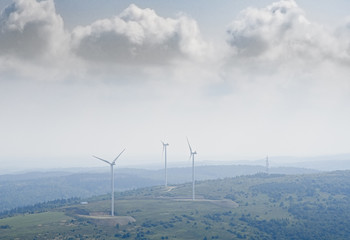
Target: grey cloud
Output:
{"points": [[114, 47], [138, 36], [31, 29], [249, 45]]}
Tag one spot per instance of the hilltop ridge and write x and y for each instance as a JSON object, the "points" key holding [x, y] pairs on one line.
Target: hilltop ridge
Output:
{"points": [[260, 206]]}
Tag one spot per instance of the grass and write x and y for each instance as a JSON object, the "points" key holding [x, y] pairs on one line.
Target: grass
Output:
{"points": [[159, 217], [24, 226]]}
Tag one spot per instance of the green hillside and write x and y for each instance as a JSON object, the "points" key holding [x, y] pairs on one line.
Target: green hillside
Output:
{"points": [[261, 206]]}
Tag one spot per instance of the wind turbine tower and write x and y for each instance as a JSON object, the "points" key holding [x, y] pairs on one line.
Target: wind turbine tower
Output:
{"points": [[192, 153], [267, 164], [112, 178], [165, 162]]}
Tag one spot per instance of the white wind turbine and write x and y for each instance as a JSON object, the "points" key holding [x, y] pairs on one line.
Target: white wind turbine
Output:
{"points": [[112, 179], [192, 153], [267, 164], [165, 162]]}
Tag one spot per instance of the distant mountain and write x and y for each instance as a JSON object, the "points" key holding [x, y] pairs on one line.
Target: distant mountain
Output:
{"points": [[29, 188], [321, 163]]}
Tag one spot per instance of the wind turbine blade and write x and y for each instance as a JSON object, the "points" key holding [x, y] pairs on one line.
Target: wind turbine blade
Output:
{"points": [[189, 159], [163, 147], [189, 146], [118, 156], [102, 160]]}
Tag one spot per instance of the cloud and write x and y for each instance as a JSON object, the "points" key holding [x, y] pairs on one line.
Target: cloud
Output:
{"points": [[138, 36], [35, 45], [272, 40], [31, 29], [281, 32]]}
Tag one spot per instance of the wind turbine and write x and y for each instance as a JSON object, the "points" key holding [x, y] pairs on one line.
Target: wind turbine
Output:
{"points": [[112, 179], [165, 160], [267, 164], [192, 153]]}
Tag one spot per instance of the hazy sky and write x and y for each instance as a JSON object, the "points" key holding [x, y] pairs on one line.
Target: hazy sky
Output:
{"points": [[241, 79]]}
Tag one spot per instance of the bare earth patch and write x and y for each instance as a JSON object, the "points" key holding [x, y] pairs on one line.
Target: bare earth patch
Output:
{"points": [[226, 203], [170, 188], [109, 220]]}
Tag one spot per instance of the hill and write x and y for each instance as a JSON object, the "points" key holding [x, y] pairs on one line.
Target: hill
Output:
{"points": [[19, 190], [313, 206]]}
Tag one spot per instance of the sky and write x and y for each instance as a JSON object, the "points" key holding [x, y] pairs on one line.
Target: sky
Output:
{"points": [[240, 79]]}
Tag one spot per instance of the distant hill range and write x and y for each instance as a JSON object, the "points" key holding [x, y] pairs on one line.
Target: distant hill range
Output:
{"points": [[321, 163], [33, 187]]}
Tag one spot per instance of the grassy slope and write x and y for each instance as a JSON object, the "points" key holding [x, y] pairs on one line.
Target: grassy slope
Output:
{"points": [[24, 226], [270, 207]]}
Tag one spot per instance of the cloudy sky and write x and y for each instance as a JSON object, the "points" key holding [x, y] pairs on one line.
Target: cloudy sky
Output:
{"points": [[240, 79]]}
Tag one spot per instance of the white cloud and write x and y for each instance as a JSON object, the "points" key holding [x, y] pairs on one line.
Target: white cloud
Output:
{"points": [[281, 33], [138, 36]]}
